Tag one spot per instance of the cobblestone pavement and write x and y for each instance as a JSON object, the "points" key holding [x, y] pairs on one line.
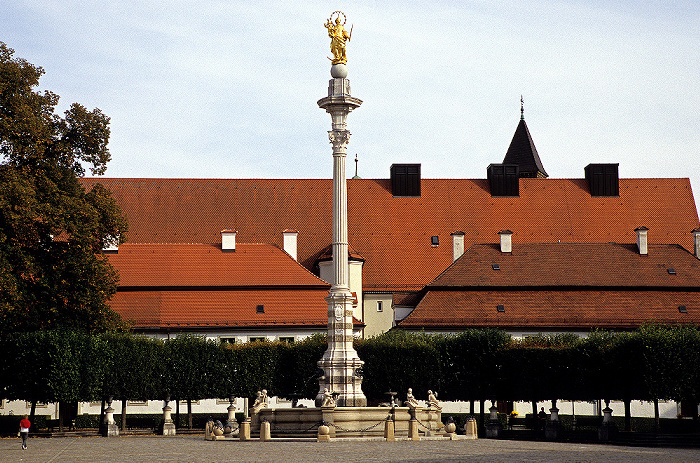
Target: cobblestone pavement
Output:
{"points": [[196, 449]]}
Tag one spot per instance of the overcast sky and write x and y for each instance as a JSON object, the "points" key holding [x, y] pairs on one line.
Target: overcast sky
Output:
{"points": [[229, 88]]}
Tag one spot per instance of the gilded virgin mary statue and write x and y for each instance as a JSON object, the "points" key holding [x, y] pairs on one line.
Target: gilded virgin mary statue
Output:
{"points": [[338, 35]]}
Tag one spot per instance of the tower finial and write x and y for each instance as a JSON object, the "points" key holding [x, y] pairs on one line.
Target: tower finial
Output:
{"points": [[356, 176], [522, 108]]}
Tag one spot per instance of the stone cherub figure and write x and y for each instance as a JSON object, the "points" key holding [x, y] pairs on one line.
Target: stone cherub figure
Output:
{"points": [[433, 401], [338, 36], [328, 400], [261, 401], [411, 401]]}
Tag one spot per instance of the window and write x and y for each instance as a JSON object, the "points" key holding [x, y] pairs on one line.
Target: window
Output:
{"points": [[671, 271], [380, 306], [682, 309], [495, 266], [137, 402], [227, 340], [286, 339], [260, 309], [256, 339], [500, 308], [434, 240]]}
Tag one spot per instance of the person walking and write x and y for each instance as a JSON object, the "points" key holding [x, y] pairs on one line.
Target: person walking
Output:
{"points": [[24, 426]]}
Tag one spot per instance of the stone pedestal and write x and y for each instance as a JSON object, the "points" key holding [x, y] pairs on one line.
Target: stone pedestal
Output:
{"points": [[552, 429], [265, 434], [323, 434], [231, 423], [607, 429], [244, 433], [470, 429], [493, 425], [451, 430], [389, 430], [413, 430], [110, 426], [168, 424]]}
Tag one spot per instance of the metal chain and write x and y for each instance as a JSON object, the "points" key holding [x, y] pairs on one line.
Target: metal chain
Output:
{"points": [[340, 428], [429, 428]]}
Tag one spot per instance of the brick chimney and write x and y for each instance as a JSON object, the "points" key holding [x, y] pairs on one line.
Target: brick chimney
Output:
{"points": [[506, 242], [290, 242], [696, 242], [457, 245], [642, 240], [228, 240]]}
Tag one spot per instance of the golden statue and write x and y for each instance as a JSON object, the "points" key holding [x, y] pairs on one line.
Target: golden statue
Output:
{"points": [[338, 36]]}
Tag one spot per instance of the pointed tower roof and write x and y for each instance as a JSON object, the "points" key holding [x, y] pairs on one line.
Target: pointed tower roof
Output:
{"points": [[522, 151]]}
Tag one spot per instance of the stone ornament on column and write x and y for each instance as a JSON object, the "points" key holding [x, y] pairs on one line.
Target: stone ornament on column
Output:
{"points": [[493, 426], [168, 424], [607, 429], [552, 429], [110, 426]]}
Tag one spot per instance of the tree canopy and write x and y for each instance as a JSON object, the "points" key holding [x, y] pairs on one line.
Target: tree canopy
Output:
{"points": [[52, 231]]}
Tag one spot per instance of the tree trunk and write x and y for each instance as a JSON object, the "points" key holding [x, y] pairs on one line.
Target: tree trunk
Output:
{"points": [[471, 407], [189, 413], [123, 414], [536, 420], [100, 424], [657, 424], [61, 411], [482, 404], [32, 411], [177, 413], [628, 415]]}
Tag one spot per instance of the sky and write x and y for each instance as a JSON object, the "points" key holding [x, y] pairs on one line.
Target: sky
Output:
{"points": [[228, 89]]}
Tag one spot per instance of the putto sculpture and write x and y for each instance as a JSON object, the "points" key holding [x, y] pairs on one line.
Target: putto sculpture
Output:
{"points": [[338, 35]]}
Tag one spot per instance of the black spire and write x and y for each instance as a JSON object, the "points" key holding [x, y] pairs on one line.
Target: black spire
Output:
{"points": [[522, 151]]}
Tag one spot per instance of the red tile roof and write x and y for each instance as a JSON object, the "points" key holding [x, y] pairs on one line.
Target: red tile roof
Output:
{"points": [[562, 285], [223, 308], [199, 285], [206, 265], [393, 234], [572, 264], [557, 309]]}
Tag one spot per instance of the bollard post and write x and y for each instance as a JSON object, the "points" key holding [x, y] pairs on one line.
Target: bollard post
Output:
{"points": [[389, 430], [244, 433], [265, 434]]}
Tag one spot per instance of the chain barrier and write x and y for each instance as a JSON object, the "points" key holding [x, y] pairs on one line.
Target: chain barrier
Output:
{"points": [[429, 427], [340, 428]]}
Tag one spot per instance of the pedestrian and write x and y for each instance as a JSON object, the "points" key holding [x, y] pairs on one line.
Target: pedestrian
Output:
{"points": [[24, 426]]}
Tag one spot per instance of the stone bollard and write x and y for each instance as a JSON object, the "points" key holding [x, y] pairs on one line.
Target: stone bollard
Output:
{"points": [[413, 430], [244, 433], [168, 424], [470, 428], [389, 431], [451, 429], [323, 434], [265, 433], [111, 428]]}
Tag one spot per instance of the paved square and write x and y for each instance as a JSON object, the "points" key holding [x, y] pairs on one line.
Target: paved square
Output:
{"points": [[193, 448]]}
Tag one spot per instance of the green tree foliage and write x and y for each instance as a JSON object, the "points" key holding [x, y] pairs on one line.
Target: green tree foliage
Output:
{"points": [[52, 231]]}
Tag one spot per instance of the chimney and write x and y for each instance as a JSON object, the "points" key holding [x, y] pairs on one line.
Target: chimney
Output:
{"points": [[696, 242], [457, 245], [290, 242], [642, 240], [506, 243], [228, 240]]}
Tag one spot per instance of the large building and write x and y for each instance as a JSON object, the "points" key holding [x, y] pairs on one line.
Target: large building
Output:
{"points": [[404, 232]]}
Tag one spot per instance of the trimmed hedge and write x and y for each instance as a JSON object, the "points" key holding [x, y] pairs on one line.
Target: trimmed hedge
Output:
{"points": [[654, 362]]}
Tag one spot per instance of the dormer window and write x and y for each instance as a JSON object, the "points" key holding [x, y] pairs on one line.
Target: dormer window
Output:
{"points": [[260, 309], [434, 240]]}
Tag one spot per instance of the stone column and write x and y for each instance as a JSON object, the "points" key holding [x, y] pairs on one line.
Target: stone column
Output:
{"points": [[340, 362], [168, 424], [110, 428]]}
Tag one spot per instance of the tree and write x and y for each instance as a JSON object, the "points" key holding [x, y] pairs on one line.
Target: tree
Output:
{"points": [[52, 231]]}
